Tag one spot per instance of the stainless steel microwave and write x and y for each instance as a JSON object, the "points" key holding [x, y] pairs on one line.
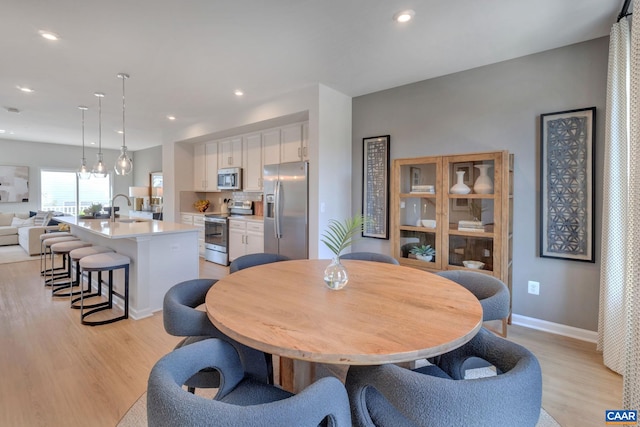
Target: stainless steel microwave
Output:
{"points": [[230, 179]]}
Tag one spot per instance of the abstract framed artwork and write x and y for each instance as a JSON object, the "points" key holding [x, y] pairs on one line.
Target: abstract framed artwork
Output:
{"points": [[14, 184], [375, 186], [567, 226]]}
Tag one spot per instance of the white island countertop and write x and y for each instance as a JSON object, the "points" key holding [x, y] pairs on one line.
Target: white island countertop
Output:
{"points": [[126, 227]]}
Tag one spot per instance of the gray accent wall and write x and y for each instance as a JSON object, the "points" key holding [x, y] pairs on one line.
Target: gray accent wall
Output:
{"points": [[498, 107], [144, 162]]}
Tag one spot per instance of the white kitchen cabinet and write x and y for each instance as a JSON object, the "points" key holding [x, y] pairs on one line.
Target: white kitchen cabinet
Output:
{"points": [[254, 240], [245, 237], [205, 166], [252, 162], [305, 141], [230, 153], [291, 149], [271, 147], [197, 220]]}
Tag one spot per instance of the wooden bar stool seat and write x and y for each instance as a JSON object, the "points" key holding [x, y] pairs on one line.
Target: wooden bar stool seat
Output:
{"points": [[63, 249], [76, 255], [108, 261]]}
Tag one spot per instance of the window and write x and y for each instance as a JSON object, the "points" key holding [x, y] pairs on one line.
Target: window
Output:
{"points": [[61, 191]]}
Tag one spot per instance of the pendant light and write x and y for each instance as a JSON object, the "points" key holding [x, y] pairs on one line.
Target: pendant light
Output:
{"points": [[124, 164], [83, 172], [99, 169]]}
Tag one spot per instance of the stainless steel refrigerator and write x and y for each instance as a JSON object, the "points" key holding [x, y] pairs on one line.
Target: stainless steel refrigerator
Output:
{"points": [[286, 209]]}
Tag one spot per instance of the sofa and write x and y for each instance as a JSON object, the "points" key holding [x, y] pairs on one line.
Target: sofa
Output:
{"points": [[20, 228]]}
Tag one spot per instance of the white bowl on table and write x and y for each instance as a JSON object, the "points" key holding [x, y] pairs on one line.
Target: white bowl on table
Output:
{"points": [[477, 265]]}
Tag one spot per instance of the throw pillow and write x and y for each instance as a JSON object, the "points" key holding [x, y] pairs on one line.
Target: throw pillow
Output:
{"points": [[42, 218], [18, 222], [5, 219]]}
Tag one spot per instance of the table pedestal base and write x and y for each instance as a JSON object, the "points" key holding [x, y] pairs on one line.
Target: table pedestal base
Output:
{"points": [[296, 375]]}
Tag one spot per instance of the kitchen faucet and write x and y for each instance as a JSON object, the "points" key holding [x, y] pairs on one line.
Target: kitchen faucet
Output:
{"points": [[113, 208]]}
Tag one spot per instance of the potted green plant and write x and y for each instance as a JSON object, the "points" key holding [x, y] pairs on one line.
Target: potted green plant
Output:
{"points": [[93, 210], [423, 252], [338, 237]]}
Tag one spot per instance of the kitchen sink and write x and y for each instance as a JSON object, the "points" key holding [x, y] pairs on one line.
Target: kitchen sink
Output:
{"points": [[130, 220]]}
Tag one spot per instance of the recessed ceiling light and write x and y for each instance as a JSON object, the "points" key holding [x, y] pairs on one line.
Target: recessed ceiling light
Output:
{"points": [[404, 16], [119, 131], [171, 117], [25, 89], [238, 92], [49, 35], [2, 131]]}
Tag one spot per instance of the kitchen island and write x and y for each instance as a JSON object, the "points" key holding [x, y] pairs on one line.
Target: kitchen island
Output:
{"points": [[162, 254]]}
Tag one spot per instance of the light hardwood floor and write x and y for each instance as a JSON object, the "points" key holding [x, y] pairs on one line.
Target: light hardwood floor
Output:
{"points": [[56, 372]]}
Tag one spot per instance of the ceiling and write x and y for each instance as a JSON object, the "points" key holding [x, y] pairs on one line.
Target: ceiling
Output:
{"points": [[186, 58]]}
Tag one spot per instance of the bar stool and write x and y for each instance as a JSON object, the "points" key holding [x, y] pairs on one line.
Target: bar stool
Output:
{"points": [[63, 249], [47, 243], [43, 255], [108, 261], [76, 255]]}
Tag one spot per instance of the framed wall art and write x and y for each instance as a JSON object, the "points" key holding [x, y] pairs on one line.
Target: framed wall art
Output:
{"points": [[567, 186], [14, 184], [375, 186]]}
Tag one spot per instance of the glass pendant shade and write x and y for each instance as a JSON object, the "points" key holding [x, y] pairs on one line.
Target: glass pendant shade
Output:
{"points": [[99, 168], [83, 172], [124, 164]]}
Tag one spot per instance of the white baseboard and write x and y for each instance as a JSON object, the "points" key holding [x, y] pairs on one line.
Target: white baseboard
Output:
{"points": [[555, 328]]}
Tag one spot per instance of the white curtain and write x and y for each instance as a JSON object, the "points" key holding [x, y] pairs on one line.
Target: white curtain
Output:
{"points": [[631, 387], [612, 315], [619, 316]]}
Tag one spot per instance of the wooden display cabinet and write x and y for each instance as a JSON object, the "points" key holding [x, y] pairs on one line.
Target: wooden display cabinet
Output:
{"points": [[460, 227]]}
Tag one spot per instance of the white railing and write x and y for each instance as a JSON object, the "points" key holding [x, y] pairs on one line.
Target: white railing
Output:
{"points": [[67, 210]]}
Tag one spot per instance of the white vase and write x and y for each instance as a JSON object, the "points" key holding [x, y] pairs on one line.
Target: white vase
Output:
{"points": [[460, 187], [427, 258], [483, 184]]}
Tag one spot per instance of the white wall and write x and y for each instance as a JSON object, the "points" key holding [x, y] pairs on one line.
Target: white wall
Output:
{"points": [[332, 170], [493, 108], [40, 156]]}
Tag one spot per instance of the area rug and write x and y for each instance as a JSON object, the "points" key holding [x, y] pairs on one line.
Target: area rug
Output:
{"points": [[136, 416], [14, 253]]}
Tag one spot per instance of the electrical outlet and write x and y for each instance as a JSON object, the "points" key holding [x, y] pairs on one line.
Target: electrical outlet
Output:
{"points": [[534, 287]]}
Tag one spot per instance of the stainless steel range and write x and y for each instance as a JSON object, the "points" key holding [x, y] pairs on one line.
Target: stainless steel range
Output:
{"points": [[216, 231]]}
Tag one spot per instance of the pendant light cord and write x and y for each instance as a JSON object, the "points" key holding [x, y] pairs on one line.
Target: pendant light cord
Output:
{"points": [[82, 109], [124, 77]]}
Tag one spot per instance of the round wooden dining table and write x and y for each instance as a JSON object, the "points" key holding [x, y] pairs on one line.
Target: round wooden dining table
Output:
{"points": [[386, 314]]}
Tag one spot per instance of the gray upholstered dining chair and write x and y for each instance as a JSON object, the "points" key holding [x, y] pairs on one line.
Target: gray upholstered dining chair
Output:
{"points": [[438, 395], [251, 260], [181, 318], [492, 293], [240, 401], [370, 256]]}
